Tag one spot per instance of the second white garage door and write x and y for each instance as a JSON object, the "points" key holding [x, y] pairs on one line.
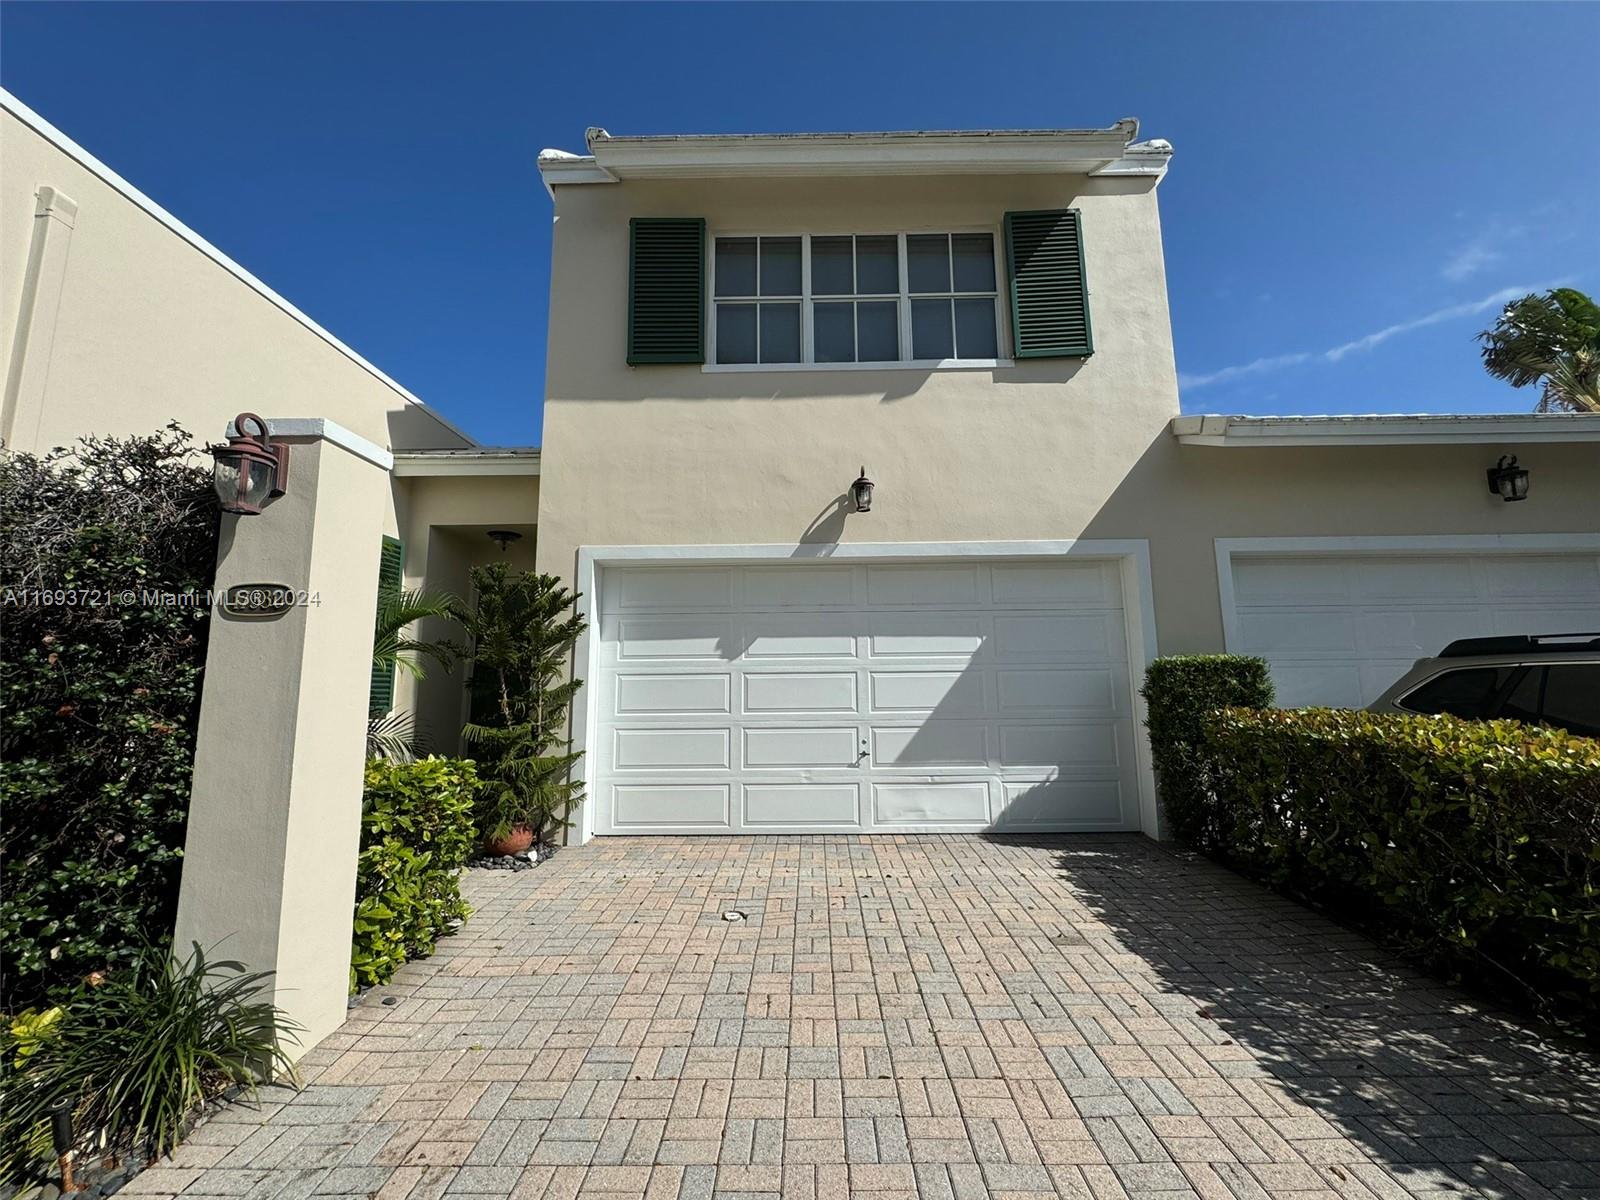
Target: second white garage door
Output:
{"points": [[1338, 629], [953, 696]]}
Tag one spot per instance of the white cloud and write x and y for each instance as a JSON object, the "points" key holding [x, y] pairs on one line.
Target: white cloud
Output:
{"points": [[1333, 354], [1469, 260]]}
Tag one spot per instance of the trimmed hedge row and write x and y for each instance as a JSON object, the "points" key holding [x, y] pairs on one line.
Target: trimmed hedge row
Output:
{"points": [[1179, 691], [416, 835], [1474, 844]]}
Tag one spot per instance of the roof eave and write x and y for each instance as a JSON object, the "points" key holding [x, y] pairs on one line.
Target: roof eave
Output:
{"points": [[1421, 429]]}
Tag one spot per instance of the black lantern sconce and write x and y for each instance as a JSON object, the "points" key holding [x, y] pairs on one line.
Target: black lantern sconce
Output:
{"points": [[1507, 480], [861, 492], [249, 469]]}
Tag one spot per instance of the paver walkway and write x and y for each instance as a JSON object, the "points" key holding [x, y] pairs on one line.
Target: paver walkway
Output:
{"points": [[937, 1017]]}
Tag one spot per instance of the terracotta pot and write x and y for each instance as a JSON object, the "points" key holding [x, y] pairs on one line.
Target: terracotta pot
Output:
{"points": [[515, 842]]}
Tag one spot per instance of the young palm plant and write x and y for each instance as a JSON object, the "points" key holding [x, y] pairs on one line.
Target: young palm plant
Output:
{"points": [[1553, 339], [523, 629], [393, 735]]}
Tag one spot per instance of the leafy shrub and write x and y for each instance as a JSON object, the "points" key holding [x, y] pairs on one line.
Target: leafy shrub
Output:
{"points": [[1475, 844], [1179, 691], [523, 629], [136, 1055], [416, 835], [99, 699]]}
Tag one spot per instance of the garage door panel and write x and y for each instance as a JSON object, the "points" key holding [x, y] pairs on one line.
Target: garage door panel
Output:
{"points": [[657, 588], [655, 749], [931, 803], [745, 701], [837, 746], [1048, 638], [1063, 804], [821, 636], [803, 804], [799, 692], [1075, 585], [1545, 579], [924, 635], [672, 692], [1091, 745], [1057, 691], [799, 587], [1414, 632], [931, 744], [710, 637], [1449, 579], [1329, 630], [699, 806], [950, 693], [947, 585], [1291, 580]]}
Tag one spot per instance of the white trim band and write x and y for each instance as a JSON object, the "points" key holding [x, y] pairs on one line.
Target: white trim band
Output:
{"points": [[311, 429], [1418, 429]]}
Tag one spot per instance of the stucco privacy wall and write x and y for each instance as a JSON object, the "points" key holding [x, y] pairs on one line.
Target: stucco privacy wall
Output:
{"points": [[721, 457], [148, 328]]}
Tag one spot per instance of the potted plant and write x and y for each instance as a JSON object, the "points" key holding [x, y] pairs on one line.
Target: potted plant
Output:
{"points": [[523, 627]]}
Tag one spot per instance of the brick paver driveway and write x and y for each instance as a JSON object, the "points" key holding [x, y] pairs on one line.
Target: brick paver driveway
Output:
{"points": [[907, 1016]]}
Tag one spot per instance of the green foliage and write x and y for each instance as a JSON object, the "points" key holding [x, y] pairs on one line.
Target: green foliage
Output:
{"points": [[137, 1054], [1179, 691], [99, 697], [1553, 339], [523, 629], [393, 735], [416, 835], [1475, 844]]}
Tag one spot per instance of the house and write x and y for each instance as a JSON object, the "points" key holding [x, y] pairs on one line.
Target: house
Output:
{"points": [[977, 321]]}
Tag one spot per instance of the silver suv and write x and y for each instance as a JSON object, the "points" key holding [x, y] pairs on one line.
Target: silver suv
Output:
{"points": [[1545, 679]]}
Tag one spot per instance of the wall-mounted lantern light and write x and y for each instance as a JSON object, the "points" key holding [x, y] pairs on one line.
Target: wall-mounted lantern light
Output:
{"points": [[861, 492], [1507, 480], [249, 470], [505, 537]]}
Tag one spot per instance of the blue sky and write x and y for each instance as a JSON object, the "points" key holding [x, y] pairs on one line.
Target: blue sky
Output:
{"points": [[1355, 191]]}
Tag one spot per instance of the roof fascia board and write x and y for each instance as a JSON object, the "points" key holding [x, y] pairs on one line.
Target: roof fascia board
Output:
{"points": [[95, 167], [436, 466], [1420, 430]]}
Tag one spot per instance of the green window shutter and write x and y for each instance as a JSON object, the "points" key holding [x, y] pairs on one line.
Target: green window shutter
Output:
{"points": [[666, 290], [1049, 294], [380, 697]]}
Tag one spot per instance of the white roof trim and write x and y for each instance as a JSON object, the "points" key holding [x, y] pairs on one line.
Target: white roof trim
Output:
{"points": [[1109, 151], [89, 162], [491, 462], [313, 429], [1398, 429]]}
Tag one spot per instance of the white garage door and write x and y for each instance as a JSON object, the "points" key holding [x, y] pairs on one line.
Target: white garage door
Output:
{"points": [[949, 696], [1338, 630]]}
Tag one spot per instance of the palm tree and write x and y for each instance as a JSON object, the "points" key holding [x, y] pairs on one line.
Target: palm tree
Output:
{"points": [[393, 735], [1553, 339]]}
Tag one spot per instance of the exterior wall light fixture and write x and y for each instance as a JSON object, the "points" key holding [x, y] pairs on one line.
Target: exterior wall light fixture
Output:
{"points": [[861, 492], [1507, 480], [249, 469]]}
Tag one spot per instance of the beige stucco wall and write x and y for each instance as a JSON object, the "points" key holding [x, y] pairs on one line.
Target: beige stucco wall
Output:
{"points": [[147, 328], [1053, 449], [666, 454]]}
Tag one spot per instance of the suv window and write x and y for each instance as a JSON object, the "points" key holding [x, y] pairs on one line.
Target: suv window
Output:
{"points": [[1467, 692], [1572, 697]]}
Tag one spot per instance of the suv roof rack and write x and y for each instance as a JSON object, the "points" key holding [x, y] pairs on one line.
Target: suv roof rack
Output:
{"points": [[1538, 643]]}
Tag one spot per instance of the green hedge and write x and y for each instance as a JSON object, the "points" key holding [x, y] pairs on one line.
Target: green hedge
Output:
{"points": [[1179, 691], [1475, 844], [99, 699], [416, 835]]}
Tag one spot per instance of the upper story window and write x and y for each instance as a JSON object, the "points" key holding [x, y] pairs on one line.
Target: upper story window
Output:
{"points": [[865, 298]]}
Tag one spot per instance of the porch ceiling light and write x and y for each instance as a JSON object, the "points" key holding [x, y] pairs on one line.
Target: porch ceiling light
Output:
{"points": [[1507, 480], [861, 492], [249, 469]]}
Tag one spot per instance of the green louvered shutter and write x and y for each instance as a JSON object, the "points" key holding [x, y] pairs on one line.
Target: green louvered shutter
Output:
{"points": [[1049, 294], [666, 290], [380, 697]]}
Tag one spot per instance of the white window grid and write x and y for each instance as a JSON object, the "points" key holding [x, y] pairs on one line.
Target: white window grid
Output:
{"points": [[808, 301]]}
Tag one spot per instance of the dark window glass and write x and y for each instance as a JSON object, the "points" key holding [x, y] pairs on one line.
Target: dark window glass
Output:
{"points": [[1523, 702], [877, 265], [878, 323], [975, 337], [1468, 692], [780, 333], [833, 328], [780, 266], [736, 267], [831, 273], [928, 262], [736, 333], [931, 337], [974, 262], [1572, 698]]}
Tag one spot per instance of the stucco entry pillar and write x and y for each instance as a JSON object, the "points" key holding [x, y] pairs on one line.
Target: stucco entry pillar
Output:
{"points": [[275, 813]]}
